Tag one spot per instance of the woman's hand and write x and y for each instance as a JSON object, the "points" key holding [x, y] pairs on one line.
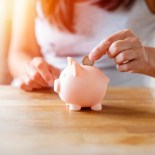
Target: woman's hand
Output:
{"points": [[38, 74], [127, 51]]}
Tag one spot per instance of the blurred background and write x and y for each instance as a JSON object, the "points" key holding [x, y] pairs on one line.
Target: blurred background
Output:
{"points": [[6, 13]]}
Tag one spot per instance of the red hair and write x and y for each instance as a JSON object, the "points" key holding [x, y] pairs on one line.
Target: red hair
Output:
{"points": [[61, 12]]}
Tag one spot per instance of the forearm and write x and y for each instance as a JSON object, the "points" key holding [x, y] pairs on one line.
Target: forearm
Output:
{"points": [[150, 70], [17, 62]]}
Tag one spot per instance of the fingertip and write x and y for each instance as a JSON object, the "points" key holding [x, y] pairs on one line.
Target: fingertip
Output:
{"points": [[92, 56], [23, 86]]}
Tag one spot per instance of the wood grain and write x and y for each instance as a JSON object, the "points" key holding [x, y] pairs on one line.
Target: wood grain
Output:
{"points": [[38, 124]]}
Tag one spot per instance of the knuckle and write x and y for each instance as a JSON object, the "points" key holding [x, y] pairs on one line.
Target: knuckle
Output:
{"points": [[123, 57], [35, 59], [114, 47], [47, 78], [37, 62], [127, 32], [137, 40], [108, 41], [29, 82]]}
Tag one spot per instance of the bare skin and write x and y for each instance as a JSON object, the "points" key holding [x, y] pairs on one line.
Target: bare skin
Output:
{"points": [[25, 60], [128, 53]]}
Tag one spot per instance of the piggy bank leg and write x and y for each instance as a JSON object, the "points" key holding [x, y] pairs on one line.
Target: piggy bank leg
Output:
{"points": [[74, 107], [97, 107]]}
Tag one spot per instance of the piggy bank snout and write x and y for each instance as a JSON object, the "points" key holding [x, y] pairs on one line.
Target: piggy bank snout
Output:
{"points": [[57, 85]]}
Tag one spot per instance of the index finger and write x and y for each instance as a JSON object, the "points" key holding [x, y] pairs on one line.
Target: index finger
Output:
{"points": [[102, 48]]}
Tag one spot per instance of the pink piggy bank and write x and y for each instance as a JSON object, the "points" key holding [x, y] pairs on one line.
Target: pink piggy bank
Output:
{"points": [[81, 86]]}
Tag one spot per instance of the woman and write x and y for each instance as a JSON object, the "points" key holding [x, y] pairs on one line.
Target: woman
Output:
{"points": [[59, 28]]}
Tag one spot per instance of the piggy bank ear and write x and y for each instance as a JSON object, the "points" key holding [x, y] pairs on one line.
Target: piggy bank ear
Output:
{"points": [[76, 68]]}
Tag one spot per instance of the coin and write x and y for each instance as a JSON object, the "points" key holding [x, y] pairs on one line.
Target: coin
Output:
{"points": [[87, 61]]}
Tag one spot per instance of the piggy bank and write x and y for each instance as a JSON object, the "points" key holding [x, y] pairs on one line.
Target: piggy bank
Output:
{"points": [[81, 86]]}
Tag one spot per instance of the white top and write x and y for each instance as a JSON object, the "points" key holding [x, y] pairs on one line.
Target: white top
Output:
{"points": [[92, 25]]}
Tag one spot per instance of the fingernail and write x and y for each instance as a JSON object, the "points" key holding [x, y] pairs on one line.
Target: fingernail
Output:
{"points": [[92, 56]]}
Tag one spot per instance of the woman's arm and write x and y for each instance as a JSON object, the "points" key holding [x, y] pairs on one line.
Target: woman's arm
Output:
{"points": [[128, 53], [23, 45], [25, 60]]}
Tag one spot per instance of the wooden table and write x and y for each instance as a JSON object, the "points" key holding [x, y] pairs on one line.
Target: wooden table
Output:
{"points": [[38, 124]]}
